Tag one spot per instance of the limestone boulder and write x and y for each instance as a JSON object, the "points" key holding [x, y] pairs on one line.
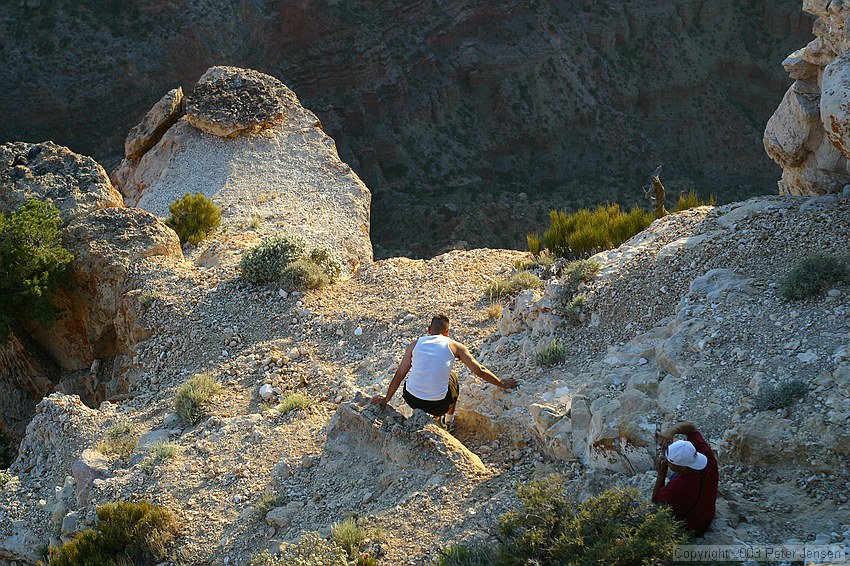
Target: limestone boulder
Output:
{"points": [[76, 184], [282, 169], [834, 103], [90, 466], [105, 244], [156, 122], [790, 128], [228, 101], [809, 133], [63, 426]]}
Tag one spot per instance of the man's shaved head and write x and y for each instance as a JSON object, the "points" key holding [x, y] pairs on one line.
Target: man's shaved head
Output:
{"points": [[439, 324]]}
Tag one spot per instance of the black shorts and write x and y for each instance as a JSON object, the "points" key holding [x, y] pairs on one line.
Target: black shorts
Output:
{"points": [[434, 408]]}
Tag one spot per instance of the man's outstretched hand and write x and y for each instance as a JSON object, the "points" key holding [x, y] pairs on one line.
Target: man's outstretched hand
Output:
{"points": [[509, 383], [379, 400]]}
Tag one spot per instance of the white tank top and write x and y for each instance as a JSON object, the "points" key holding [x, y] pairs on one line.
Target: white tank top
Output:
{"points": [[431, 365]]}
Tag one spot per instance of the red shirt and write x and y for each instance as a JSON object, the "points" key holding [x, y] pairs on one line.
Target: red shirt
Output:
{"points": [[692, 494]]}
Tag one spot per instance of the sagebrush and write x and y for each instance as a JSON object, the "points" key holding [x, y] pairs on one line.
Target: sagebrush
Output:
{"points": [[33, 264], [327, 262], [692, 200], [127, 533], [569, 301], [293, 402], [267, 261], [554, 353], [619, 527], [191, 397], [783, 394], [349, 535], [193, 217], [310, 550], [120, 440], [303, 274], [586, 232], [811, 275], [519, 281]]}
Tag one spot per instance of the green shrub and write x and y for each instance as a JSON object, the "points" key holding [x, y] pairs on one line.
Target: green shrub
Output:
{"points": [[160, 452], [554, 353], [5, 478], [585, 232], [780, 395], [193, 217], [33, 263], [326, 261], [366, 560], [692, 200], [349, 535], [545, 260], [119, 440], [266, 261], [310, 550], [193, 395], [572, 309], [535, 244], [303, 274], [617, 527], [811, 276], [270, 501], [463, 555], [519, 281], [568, 302], [128, 533], [293, 402]]}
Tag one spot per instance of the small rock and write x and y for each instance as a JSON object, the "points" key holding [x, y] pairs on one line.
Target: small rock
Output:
{"points": [[358, 331]]}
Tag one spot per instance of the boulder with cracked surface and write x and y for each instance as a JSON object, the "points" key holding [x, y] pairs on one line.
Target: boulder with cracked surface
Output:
{"points": [[75, 183]]}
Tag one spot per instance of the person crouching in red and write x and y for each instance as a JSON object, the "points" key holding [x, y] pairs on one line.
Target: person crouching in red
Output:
{"points": [[692, 489]]}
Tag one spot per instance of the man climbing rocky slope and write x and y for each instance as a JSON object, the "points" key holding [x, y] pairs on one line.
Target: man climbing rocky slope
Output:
{"points": [[683, 321]]}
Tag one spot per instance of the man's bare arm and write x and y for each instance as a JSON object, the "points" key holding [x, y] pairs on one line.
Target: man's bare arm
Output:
{"points": [[666, 436], [462, 353], [403, 368]]}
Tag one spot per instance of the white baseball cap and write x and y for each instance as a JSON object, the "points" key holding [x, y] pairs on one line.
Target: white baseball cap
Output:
{"points": [[683, 453]]}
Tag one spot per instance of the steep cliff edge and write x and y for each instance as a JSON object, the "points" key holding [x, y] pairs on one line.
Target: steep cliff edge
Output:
{"points": [[460, 103]]}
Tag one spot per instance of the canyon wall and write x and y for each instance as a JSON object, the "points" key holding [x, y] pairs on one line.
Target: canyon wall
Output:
{"points": [[467, 116]]}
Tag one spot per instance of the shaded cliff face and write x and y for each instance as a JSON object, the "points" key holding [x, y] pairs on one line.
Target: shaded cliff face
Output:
{"points": [[448, 110]]}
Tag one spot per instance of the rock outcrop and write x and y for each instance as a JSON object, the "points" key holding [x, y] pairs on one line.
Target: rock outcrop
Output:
{"points": [[809, 134], [105, 245], [76, 184], [84, 350], [247, 143]]}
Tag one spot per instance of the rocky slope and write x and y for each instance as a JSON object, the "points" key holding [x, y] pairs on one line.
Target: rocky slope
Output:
{"points": [[465, 104], [685, 320]]}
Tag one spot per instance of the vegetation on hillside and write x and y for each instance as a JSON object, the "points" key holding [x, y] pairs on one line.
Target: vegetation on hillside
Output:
{"points": [[618, 527], [127, 533], [193, 217], [284, 260], [33, 263]]}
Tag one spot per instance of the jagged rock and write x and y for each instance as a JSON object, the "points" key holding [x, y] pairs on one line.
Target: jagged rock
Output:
{"points": [[286, 175], [56, 437], [76, 184], [24, 380], [91, 466], [156, 122], [105, 244], [228, 101], [808, 135], [384, 438]]}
